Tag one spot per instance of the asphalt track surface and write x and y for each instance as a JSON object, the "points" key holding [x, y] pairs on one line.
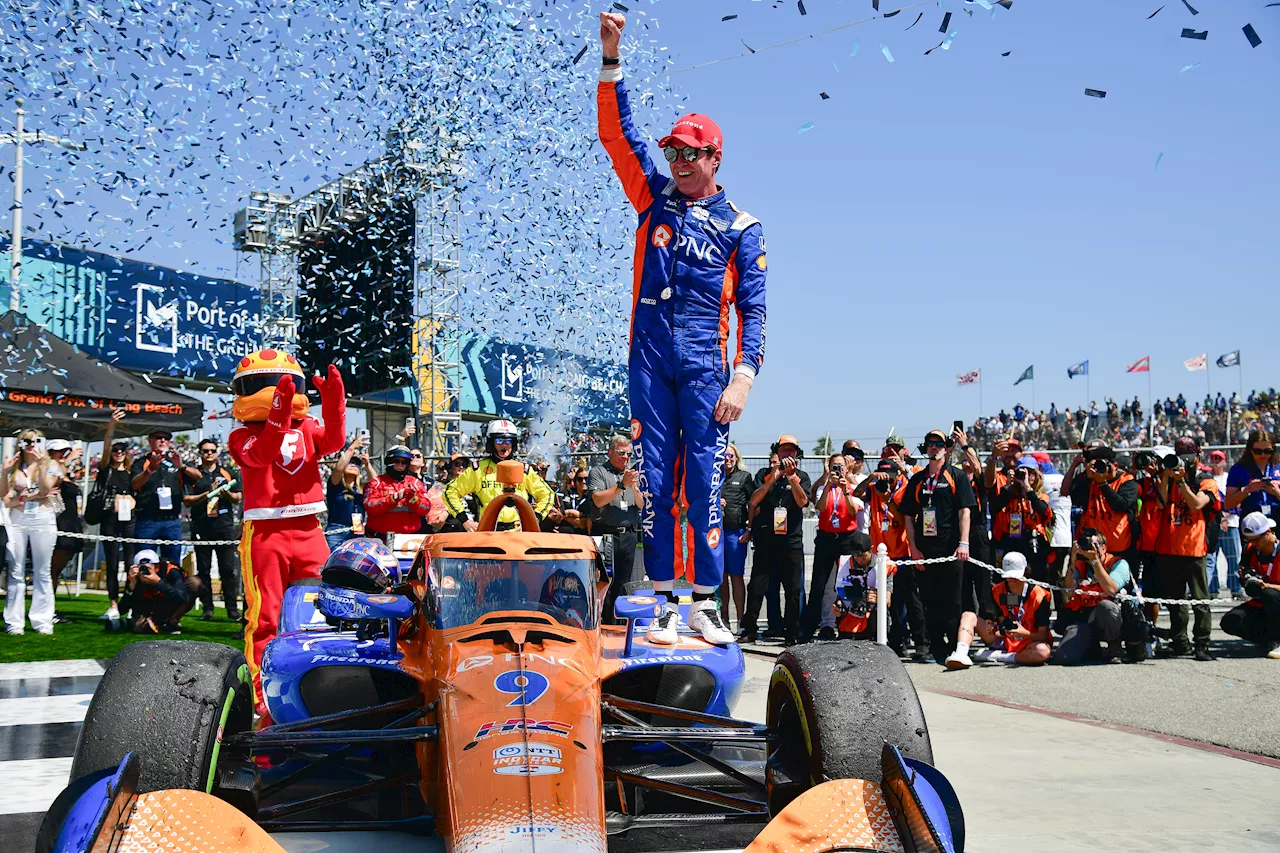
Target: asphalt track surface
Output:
{"points": [[1040, 776]]}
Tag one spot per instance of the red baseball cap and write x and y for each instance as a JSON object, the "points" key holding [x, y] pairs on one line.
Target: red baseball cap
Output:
{"points": [[695, 131]]}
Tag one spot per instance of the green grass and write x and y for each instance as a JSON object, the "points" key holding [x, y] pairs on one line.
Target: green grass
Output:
{"points": [[85, 637]]}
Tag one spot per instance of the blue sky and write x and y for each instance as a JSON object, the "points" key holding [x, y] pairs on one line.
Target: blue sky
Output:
{"points": [[965, 210]]}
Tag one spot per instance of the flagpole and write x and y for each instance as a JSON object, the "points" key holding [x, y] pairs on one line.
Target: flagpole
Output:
{"points": [[1207, 388], [1151, 410], [982, 412]]}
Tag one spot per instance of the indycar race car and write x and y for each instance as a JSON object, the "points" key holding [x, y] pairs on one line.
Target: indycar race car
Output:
{"points": [[473, 695]]}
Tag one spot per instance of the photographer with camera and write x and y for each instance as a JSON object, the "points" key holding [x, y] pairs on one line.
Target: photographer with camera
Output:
{"points": [[780, 496], [857, 590], [157, 595], [838, 518], [1190, 504], [1001, 464], [1092, 615], [210, 498], [1021, 517], [1106, 494], [1020, 634], [883, 492], [937, 505], [344, 492], [1258, 619]]}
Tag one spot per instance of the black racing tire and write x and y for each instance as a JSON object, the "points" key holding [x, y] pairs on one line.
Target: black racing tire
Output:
{"points": [[833, 707], [171, 702]]}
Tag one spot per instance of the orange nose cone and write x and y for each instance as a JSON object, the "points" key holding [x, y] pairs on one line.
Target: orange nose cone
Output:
{"points": [[510, 473]]}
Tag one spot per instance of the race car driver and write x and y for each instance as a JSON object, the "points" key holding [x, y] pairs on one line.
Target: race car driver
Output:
{"points": [[278, 449], [696, 255], [500, 439], [395, 501]]}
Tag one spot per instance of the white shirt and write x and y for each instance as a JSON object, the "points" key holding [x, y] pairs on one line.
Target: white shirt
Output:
{"points": [[1233, 517], [1061, 506]]}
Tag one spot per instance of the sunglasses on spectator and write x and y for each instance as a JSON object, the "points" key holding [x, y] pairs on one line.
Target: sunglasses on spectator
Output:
{"points": [[856, 454], [933, 442], [117, 450], [1263, 451], [580, 479], [688, 153], [208, 450], [416, 455]]}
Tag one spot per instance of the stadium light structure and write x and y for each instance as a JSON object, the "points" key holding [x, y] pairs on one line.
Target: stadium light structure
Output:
{"points": [[21, 137]]}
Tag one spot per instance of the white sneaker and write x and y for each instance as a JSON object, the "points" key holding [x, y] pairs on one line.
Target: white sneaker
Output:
{"points": [[665, 630], [113, 612], [956, 660], [704, 617], [1274, 654]]}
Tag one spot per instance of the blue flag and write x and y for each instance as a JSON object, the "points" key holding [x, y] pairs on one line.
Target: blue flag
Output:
{"points": [[1231, 359], [1081, 369]]}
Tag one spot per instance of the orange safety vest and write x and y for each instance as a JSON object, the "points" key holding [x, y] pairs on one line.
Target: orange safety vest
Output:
{"points": [[1098, 514], [1024, 614], [885, 527], [1183, 532], [1003, 527], [1252, 563], [1086, 583], [1149, 514]]}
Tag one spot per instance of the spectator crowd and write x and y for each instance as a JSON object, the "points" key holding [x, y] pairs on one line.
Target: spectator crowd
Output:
{"points": [[1115, 523]]}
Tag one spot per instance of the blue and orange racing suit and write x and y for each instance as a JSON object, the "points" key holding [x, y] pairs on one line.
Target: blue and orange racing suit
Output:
{"points": [[694, 258]]}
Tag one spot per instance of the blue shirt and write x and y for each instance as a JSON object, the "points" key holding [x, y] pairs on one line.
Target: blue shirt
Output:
{"points": [[342, 502], [1242, 475]]}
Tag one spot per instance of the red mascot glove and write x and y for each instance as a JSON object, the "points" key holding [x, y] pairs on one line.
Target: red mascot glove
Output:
{"points": [[282, 404], [330, 389]]}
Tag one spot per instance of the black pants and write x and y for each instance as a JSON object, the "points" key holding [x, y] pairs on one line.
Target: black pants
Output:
{"points": [[114, 551], [827, 550], [1174, 577], [624, 561], [907, 608], [228, 569], [940, 585], [786, 554], [1259, 625]]}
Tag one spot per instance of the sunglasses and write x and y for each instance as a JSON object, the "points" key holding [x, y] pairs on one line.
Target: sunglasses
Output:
{"points": [[209, 450], [689, 154], [935, 443], [117, 450], [503, 441], [1263, 451], [857, 454], [416, 455]]}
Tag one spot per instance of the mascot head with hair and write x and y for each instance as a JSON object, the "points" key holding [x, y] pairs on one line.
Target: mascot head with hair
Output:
{"points": [[257, 375]]}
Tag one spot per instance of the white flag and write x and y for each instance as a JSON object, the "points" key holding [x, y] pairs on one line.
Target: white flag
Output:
{"points": [[970, 378], [1200, 362]]}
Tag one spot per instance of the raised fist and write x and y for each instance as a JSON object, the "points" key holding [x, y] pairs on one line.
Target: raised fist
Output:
{"points": [[611, 24]]}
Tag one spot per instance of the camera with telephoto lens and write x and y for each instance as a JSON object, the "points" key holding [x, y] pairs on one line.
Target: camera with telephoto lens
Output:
{"points": [[1099, 465], [1170, 462], [855, 595], [882, 486], [1086, 543], [1007, 624]]}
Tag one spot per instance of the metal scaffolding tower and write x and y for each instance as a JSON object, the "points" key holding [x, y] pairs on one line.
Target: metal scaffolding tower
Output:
{"points": [[420, 171]]}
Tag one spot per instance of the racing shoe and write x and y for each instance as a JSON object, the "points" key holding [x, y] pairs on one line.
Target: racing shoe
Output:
{"points": [[665, 630], [704, 617], [958, 660]]}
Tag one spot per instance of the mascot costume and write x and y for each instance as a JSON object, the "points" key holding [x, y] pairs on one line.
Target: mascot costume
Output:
{"points": [[278, 449]]}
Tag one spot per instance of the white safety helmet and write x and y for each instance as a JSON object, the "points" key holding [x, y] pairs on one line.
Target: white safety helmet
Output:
{"points": [[501, 427]]}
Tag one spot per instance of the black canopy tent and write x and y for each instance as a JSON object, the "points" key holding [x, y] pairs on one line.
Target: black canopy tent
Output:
{"points": [[50, 385]]}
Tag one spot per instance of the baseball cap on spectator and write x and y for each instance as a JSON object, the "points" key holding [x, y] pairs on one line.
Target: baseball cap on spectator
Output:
{"points": [[57, 444], [894, 440], [1217, 456], [1162, 450], [786, 439], [860, 542], [459, 456], [1186, 445], [1255, 524], [1014, 565], [1028, 462], [1096, 448], [160, 432], [942, 436], [886, 466], [147, 555], [1014, 443]]}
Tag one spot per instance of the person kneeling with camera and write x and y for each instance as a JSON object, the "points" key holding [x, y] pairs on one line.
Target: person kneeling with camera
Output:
{"points": [[1021, 635], [157, 595], [1258, 619], [856, 590], [1092, 616]]}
